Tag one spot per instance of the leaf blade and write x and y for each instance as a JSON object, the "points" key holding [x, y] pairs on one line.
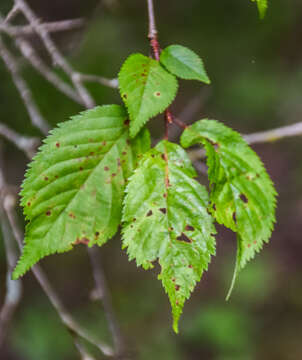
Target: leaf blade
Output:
{"points": [[146, 88], [243, 197], [184, 63], [73, 182], [168, 221]]}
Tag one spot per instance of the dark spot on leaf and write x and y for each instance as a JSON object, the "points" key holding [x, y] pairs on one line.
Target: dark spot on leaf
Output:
{"points": [[244, 198], [97, 234], [118, 160], [84, 241], [134, 219], [163, 210], [131, 226], [214, 207], [173, 279], [71, 215], [56, 177], [142, 74], [190, 267], [124, 153], [104, 143], [149, 213], [57, 144], [189, 228], [113, 174], [81, 169], [170, 229], [249, 245], [157, 94], [234, 217], [29, 203], [183, 237], [92, 153], [75, 146], [48, 212], [125, 96], [163, 157], [165, 195], [177, 287], [153, 155], [128, 142], [127, 122], [106, 168], [46, 178], [177, 302]]}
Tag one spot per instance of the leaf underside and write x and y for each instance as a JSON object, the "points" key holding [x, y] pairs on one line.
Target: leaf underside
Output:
{"points": [[184, 63], [146, 88], [167, 220], [243, 197], [74, 187]]}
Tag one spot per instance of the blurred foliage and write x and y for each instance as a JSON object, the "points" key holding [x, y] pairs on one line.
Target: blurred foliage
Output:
{"points": [[256, 72]]}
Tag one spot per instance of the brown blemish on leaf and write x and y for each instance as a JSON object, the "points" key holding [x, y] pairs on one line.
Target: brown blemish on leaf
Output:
{"points": [[46, 178], [173, 279], [177, 287], [56, 177], [157, 94], [81, 169], [170, 229], [189, 228], [125, 96], [48, 213], [183, 237], [57, 144], [149, 213], [118, 160], [234, 217], [190, 267], [244, 198], [71, 215], [106, 168], [165, 195], [177, 302], [134, 219], [29, 203], [163, 210], [84, 241], [113, 174], [124, 153], [91, 153], [104, 143], [97, 234], [127, 122]]}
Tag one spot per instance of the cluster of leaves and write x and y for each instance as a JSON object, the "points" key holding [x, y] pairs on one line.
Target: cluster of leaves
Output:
{"points": [[98, 170]]}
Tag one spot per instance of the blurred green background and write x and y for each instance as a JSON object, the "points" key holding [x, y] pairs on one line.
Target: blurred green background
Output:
{"points": [[256, 72]]}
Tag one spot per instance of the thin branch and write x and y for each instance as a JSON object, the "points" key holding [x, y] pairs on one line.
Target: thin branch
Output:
{"points": [[25, 93], [267, 136], [12, 14], [27, 144], [13, 288], [51, 27], [54, 52], [65, 316], [152, 25], [113, 83], [103, 295]]}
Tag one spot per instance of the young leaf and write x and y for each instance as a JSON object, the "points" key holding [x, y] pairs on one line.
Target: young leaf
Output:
{"points": [[184, 63], [146, 88], [165, 217], [262, 7], [74, 187], [242, 196]]}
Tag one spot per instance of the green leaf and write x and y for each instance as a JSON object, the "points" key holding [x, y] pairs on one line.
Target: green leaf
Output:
{"points": [[184, 63], [146, 88], [74, 187], [243, 197], [262, 7], [165, 217]]}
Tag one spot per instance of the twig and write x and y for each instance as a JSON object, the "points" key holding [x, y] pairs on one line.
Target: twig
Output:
{"points": [[267, 136], [25, 93], [54, 52], [113, 83], [27, 144], [51, 27], [66, 318], [12, 14], [152, 26], [103, 295], [13, 288]]}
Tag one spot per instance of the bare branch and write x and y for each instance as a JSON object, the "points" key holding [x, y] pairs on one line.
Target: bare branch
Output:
{"points": [[113, 83], [267, 136], [27, 144], [12, 14], [51, 27], [13, 288], [54, 52], [65, 316], [152, 26], [103, 295], [25, 93]]}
